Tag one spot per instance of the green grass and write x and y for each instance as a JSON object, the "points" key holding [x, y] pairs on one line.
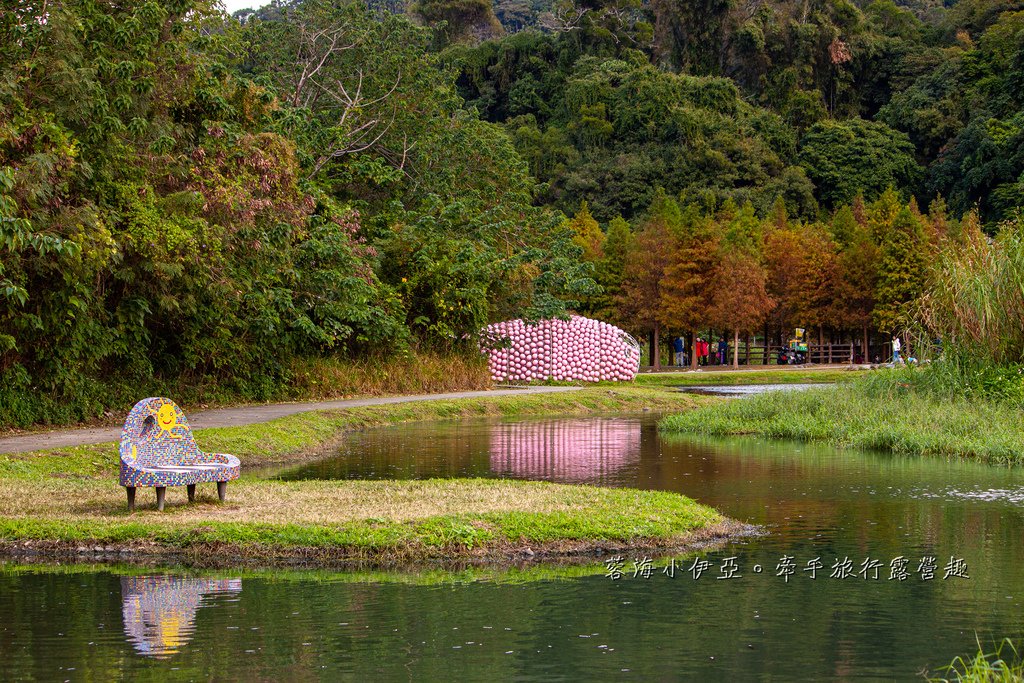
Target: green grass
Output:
{"points": [[550, 513], [1002, 665], [684, 377], [478, 518], [871, 414], [745, 377], [69, 497]]}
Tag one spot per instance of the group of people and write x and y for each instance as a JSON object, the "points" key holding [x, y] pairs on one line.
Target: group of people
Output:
{"points": [[682, 357], [897, 349], [899, 357]]}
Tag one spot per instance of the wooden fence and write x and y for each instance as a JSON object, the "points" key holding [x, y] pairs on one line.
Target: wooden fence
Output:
{"points": [[759, 354]]}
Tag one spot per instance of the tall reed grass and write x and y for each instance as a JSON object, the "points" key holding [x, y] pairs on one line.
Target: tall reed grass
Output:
{"points": [[1002, 665], [975, 297]]}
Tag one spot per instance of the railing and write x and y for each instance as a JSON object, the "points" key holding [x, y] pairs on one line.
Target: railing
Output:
{"points": [[759, 354]]}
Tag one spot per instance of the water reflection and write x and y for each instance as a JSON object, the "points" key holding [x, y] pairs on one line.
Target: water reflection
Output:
{"points": [[565, 450], [542, 624], [593, 450], [160, 611]]}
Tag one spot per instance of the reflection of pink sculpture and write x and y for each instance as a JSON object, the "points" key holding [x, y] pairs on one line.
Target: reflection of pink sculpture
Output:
{"points": [[565, 450], [574, 349], [159, 611]]}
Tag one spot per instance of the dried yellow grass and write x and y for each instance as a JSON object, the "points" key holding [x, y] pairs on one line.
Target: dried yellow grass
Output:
{"points": [[304, 502]]}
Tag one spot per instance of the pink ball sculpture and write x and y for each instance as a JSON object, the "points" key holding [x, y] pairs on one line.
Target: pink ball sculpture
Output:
{"points": [[574, 349]]}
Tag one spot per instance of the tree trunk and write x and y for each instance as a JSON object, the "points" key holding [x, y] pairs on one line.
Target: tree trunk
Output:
{"points": [[657, 348], [735, 348], [767, 345], [693, 346], [866, 351]]}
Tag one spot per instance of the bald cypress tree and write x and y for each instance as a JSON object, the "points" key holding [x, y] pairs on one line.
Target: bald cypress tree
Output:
{"points": [[587, 233], [651, 255], [902, 271], [610, 268], [687, 297]]}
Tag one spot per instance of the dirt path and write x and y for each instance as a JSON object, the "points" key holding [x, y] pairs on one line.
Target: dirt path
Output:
{"points": [[244, 415]]}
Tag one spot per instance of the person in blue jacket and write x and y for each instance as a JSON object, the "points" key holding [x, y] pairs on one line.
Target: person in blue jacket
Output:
{"points": [[679, 346]]}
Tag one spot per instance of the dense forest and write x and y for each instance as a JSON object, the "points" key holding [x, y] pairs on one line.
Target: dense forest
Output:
{"points": [[185, 193]]}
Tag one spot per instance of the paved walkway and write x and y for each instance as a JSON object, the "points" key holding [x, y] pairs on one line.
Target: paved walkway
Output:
{"points": [[676, 370], [244, 415]]}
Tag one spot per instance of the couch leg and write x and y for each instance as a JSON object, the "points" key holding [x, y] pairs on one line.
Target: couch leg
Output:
{"points": [[191, 493], [161, 491], [222, 490], [131, 498]]}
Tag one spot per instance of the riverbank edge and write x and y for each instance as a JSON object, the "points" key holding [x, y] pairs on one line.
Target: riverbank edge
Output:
{"points": [[501, 554], [899, 421]]}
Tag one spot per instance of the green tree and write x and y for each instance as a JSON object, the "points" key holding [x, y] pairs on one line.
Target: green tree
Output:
{"points": [[459, 21], [361, 86], [901, 274], [844, 226], [587, 234], [881, 215], [610, 269], [847, 157]]}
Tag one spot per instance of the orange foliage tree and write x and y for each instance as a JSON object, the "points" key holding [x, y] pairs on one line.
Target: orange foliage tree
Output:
{"points": [[740, 299]]}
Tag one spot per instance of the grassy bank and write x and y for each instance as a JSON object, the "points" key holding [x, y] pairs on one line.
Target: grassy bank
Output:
{"points": [[782, 375], [877, 412], [61, 500]]}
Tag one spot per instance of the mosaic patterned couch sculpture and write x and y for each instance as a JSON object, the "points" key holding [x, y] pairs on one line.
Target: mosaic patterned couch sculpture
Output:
{"points": [[157, 449]]}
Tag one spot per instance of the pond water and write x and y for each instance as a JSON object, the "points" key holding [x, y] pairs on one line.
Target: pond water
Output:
{"points": [[546, 624], [749, 389]]}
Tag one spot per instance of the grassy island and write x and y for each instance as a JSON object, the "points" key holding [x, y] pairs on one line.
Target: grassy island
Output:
{"points": [[339, 522]]}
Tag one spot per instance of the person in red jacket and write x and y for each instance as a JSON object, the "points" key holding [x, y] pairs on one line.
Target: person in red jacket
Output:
{"points": [[702, 351]]}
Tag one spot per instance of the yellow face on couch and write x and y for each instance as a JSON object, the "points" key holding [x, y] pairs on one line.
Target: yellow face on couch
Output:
{"points": [[167, 420]]}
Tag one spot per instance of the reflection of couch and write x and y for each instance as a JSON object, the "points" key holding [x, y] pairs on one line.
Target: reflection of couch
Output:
{"points": [[582, 451], [159, 611], [157, 449]]}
